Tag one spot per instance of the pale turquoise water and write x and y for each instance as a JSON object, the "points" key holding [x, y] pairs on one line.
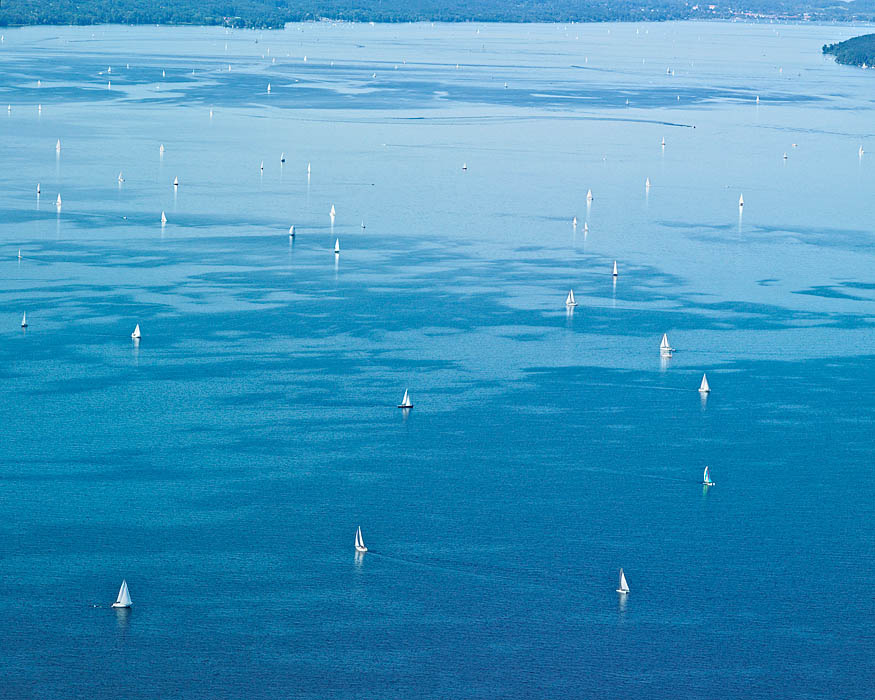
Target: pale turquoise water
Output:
{"points": [[223, 464]]}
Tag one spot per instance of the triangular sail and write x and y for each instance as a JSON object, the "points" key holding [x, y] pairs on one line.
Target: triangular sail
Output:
{"points": [[136, 333], [337, 245], [614, 272], [624, 587], [124, 596], [569, 300], [24, 319], [664, 343], [704, 387], [406, 400], [359, 542]]}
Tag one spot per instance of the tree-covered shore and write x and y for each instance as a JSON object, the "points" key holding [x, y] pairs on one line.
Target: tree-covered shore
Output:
{"points": [[275, 13], [859, 51]]}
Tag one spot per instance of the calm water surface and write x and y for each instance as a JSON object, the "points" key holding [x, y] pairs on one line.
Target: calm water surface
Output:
{"points": [[222, 464]]}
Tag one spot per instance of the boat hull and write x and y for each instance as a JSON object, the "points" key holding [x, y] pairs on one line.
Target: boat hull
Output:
{"points": [[120, 605], [361, 549], [620, 590], [401, 405], [709, 483]]}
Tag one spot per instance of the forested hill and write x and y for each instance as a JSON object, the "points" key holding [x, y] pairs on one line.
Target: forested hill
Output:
{"points": [[275, 13], [859, 51]]}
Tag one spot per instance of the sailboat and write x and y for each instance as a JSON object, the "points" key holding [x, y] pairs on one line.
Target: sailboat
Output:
{"points": [[585, 229], [38, 190], [624, 587], [405, 402], [665, 350], [283, 157], [19, 253], [24, 320], [363, 226], [663, 142], [58, 146], [647, 183], [161, 149], [614, 273], [308, 170], [574, 222], [58, 201], [120, 178], [176, 182], [337, 246], [124, 597], [706, 478], [292, 231], [268, 88], [861, 150], [163, 218], [589, 195], [332, 213], [704, 387], [569, 300], [262, 166], [136, 334], [464, 166], [359, 542], [740, 201]]}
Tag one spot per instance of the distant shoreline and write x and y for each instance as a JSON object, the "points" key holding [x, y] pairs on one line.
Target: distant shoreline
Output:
{"points": [[859, 51], [276, 14]]}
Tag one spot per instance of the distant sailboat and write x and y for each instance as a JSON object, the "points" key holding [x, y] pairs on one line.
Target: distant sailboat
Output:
{"points": [[363, 226], [574, 222], [861, 150], [359, 542], [569, 300], [19, 253], [308, 170], [337, 246], [585, 229], [58, 146], [614, 273], [292, 231], [262, 166], [589, 196], [332, 213], [665, 350], [161, 149], [136, 334], [268, 88], [663, 142], [785, 155], [647, 183], [24, 320], [464, 166], [283, 157], [163, 218], [124, 597], [176, 182], [704, 387], [624, 587], [706, 478], [38, 190], [740, 201], [58, 201], [405, 402], [120, 178]]}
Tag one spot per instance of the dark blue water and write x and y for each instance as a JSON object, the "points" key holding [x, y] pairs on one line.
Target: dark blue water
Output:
{"points": [[222, 464]]}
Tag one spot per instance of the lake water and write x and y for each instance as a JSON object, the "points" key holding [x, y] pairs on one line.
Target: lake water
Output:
{"points": [[222, 464]]}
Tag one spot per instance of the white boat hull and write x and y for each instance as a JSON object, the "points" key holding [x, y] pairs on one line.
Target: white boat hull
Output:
{"points": [[401, 405], [361, 549], [120, 605], [620, 590]]}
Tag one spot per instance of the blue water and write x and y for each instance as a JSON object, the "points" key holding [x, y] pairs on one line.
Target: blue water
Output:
{"points": [[222, 464]]}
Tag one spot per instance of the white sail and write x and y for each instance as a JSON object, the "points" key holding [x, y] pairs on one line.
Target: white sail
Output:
{"points": [[262, 166], [124, 597], [163, 218], [665, 349], [589, 195], [569, 300], [136, 334], [120, 178], [19, 253], [359, 542], [405, 402], [24, 320], [268, 88], [614, 272], [464, 166], [283, 157], [337, 246], [308, 169], [585, 228], [624, 587], [332, 213], [647, 183], [58, 146], [58, 201], [704, 387], [663, 142], [741, 200], [292, 231], [38, 190], [176, 182], [161, 148], [574, 222]]}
